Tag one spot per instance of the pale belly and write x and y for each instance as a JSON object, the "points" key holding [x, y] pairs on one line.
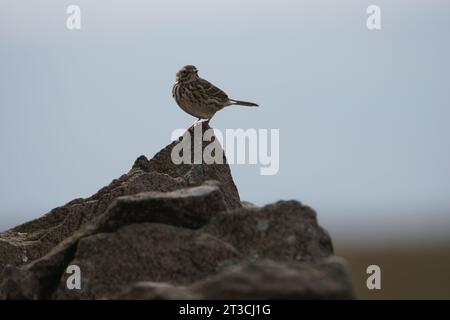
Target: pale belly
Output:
{"points": [[199, 110]]}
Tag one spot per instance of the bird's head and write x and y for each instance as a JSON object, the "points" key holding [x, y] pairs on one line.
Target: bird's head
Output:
{"points": [[187, 73]]}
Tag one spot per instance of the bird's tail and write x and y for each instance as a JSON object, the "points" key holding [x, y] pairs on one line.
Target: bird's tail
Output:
{"points": [[243, 103]]}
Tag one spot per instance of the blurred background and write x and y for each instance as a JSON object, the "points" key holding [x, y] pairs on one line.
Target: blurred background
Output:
{"points": [[364, 116]]}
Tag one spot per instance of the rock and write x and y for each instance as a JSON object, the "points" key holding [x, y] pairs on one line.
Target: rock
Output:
{"points": [[264, 279], [248, 205], [39, 278], [284, 231], [147, 251], [156, 291], [17, 283], [11, 251], [267, 279], [190, 207], [34, 239], [166, 231], [195, 174]]}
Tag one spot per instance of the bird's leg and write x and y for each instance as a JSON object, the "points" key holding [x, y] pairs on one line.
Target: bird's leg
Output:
{"points": [[193, 125], [205, 121]]}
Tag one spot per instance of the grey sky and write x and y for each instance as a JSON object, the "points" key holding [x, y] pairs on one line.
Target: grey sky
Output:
{"points": [[364, 116]]}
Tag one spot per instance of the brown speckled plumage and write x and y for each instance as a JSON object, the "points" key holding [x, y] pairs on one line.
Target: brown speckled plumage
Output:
{"points": [[199, 97]]}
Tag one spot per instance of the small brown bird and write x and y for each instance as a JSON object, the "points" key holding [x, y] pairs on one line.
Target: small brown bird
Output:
{"points": [[199, 97]]}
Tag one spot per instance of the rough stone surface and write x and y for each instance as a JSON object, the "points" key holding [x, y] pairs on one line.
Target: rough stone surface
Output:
{"points": [[146, 251], [35, 238], [191, 207], [166, 231], [284, 231], [156, 291], [179, 207], [195, 174], [263, 279], [266, 279]]}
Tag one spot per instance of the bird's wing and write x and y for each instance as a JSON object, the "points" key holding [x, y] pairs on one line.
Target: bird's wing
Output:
{"points": [[211, 91]]}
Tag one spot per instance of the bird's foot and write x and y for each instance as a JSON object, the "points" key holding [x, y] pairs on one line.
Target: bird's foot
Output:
{"points": [[193, 125], [205, 121]]}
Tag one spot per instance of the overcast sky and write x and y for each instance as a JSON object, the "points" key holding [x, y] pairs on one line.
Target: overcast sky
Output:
{"points": [[364, 116]]}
